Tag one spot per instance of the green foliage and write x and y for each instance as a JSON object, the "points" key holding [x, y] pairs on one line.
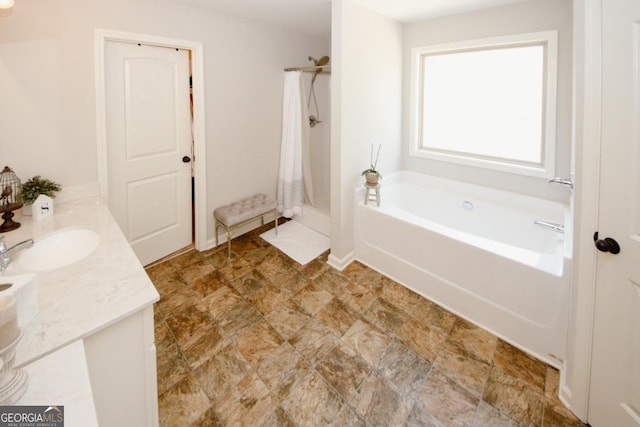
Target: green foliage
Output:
{"points": [[371, 170], [372, 163], [37, 185]]}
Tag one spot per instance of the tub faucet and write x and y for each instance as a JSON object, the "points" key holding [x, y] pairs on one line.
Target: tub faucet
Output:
{"points": [[6, 253], [550, 225], [562, 181]]}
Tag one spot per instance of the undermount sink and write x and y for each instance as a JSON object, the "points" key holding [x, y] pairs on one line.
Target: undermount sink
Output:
{"points": [[59, 249]]}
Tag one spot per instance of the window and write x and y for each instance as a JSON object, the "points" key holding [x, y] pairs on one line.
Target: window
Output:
{"points": [[488, 103]]}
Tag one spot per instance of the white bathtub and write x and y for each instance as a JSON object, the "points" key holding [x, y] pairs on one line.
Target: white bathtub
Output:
{"points": [[477, 252]]}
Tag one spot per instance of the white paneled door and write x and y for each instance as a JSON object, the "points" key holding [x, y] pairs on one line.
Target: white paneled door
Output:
{"points": [[614, 398], [148, 123]]}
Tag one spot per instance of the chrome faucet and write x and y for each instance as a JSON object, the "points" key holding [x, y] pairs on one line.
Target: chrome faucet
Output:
{"points": [[550, 225], [6, 253], [562, 181]]}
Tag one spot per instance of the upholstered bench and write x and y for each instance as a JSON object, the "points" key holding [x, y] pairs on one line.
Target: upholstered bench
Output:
{"points": [[243, 211]]}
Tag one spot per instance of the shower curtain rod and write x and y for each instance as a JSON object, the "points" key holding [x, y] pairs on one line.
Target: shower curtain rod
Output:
{"points": [[320, 69]]}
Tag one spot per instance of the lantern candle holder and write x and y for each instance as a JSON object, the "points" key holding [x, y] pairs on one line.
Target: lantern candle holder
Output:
{"points": [[10, 198]]}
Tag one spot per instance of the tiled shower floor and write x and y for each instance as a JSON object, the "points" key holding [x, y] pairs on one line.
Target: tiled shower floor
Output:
{"points": [[262, 341]]}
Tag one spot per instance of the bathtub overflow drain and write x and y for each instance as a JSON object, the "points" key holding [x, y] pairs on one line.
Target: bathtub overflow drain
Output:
{"points": [[467, 205]]}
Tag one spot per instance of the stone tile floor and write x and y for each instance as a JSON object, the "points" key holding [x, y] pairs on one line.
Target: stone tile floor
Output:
{"points": [[263, 341]]}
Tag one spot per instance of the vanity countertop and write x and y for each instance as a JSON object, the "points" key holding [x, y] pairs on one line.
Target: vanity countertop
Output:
{"points": [[80, 299]]}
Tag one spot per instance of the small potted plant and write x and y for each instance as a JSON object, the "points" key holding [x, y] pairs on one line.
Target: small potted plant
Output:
{"points": [[371, 174], [36, 186]]}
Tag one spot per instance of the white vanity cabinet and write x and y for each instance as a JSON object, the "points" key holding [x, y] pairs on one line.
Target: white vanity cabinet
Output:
{"points": [[104, 302], [121, 359]]}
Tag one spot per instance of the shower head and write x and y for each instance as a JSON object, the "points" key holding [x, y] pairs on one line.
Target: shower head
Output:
{"points": [[324, 60]]}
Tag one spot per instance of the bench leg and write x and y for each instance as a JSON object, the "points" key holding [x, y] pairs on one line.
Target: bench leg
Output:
{"points": [[230, 228]]}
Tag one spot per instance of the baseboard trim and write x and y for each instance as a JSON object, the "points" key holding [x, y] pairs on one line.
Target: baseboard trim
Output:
{"points": [[341, 263]]}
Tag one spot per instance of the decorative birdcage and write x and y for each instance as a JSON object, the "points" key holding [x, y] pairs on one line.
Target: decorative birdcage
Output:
{"points": [[10, 198]]}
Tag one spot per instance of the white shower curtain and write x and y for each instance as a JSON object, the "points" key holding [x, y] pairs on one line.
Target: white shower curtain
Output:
{"points": [[294, 178]]}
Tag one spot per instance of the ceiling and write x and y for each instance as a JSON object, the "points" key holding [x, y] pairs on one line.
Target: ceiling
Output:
{"points": [[313, 17], [419, 10]]}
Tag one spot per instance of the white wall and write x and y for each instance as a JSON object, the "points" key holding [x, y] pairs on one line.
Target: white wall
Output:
{"points": [[574, 381], [532, 16], [320, 134], [47, 106], [366, 105]]}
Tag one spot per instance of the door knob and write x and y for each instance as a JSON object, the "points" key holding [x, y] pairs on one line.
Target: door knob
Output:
{"points": [[607, 244], [186, 159]]}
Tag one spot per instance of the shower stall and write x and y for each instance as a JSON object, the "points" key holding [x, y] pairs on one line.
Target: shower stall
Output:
{"points": [[316, 81]]}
